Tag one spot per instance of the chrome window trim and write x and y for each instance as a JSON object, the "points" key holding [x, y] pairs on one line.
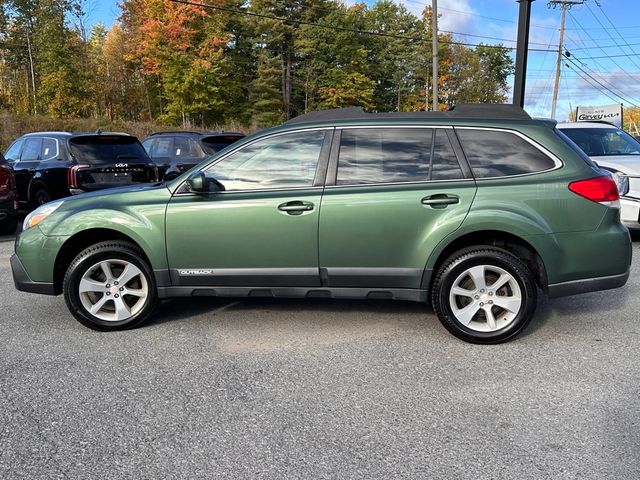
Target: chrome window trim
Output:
{"points": [[275, 189], [558, 163]]}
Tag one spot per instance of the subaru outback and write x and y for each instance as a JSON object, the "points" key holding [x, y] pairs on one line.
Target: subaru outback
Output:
{"points": [[473, 210]]}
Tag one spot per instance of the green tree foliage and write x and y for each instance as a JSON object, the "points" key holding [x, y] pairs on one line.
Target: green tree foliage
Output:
{"points": [[253, 62]]}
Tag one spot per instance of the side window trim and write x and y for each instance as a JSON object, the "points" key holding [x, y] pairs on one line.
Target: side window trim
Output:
{"points": [[557, 162], [323, 160], [17, 159]]}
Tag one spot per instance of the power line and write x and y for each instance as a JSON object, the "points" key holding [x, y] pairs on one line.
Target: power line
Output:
{"points": [[337, 28], [618, 32], [575, 64], [609, 34]]}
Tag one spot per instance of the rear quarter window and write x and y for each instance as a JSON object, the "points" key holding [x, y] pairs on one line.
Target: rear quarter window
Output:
{"points": [[498, 153]]}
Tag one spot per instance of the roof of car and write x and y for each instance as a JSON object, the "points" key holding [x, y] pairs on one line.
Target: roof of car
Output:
{"points": [[596, 124], [483, 111], [71, 134], [203, 134]]}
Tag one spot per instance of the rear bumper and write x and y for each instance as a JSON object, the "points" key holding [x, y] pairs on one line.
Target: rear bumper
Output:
{"points": [[586, 285], [24, 283]]}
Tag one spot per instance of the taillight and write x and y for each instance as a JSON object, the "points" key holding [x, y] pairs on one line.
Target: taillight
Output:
{"points": [[598, 189], [72, 175]]}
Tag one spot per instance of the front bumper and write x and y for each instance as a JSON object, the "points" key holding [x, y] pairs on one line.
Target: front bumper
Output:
{"points": [[24, 283]]}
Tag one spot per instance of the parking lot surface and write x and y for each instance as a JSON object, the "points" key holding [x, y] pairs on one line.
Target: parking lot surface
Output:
{"points": [[261, 388]]}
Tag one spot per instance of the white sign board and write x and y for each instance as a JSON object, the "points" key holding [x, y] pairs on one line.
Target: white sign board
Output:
{"points": [[607, 113]]}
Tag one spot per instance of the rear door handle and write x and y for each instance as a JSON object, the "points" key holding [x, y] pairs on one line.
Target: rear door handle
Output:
{"points": [[440, 200], [295, 207]]}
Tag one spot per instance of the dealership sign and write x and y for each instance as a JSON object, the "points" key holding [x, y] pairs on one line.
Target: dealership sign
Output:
{"points": [[607, 113]]}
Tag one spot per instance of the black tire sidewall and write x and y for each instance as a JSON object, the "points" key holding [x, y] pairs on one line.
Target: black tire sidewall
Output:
{"points": [[493, 256], [88, 258]]}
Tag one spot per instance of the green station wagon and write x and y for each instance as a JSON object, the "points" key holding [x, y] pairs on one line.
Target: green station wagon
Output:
{"points": [[473, 210]]}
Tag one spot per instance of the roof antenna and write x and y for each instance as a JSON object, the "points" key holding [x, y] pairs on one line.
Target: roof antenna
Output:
{"points": [[98, 132]]}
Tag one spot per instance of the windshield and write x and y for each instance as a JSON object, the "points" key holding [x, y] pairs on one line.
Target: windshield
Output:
{"points": [[108, 149], [598, 142]]}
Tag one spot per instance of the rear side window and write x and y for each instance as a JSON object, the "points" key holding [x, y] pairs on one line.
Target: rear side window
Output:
{"points": [[107, 149], [186, 148], [390, 155], [49, 148], [495, 153]]}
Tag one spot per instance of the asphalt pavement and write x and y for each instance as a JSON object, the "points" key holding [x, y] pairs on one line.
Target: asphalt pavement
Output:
{"points": [[315, 389]]}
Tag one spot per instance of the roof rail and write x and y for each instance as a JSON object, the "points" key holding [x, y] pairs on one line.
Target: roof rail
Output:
{"points": [[488, 111]]}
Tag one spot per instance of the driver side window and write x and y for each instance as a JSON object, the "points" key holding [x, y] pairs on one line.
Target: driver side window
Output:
{"points": [[280, 161]]}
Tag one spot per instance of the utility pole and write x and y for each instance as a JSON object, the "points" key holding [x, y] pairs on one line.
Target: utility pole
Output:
{"points": [[434, 41], [564, 5]]}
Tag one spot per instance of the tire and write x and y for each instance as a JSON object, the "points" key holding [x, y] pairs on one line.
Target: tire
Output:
{"points": [[8, 227], [40, 196], [94, 279], [480, 312]]}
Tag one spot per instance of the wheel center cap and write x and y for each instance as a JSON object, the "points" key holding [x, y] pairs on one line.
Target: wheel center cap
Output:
{"points": [[113, 290], [484, 298]]}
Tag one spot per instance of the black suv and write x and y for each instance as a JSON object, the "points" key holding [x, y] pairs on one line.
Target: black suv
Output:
{"points": [[177, 152], [51, 165]]}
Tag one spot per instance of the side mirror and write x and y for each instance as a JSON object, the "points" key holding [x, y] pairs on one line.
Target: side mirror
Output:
{"points": [[199, 183]]}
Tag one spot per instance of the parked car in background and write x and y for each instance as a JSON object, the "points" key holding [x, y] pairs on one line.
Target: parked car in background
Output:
{"points": [[8, 199], [614, 150], [473, 210], [52, 165], [177, 152]]}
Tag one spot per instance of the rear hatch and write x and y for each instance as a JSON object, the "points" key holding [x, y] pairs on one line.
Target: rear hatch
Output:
{"points": [[108, 160]]}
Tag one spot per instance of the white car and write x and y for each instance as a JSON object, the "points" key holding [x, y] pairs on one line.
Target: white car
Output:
{"points": [[618, 152]]}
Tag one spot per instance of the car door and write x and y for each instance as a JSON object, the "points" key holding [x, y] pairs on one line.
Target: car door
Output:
{"points": [[392, 194], [25, 167], [262, 229]]}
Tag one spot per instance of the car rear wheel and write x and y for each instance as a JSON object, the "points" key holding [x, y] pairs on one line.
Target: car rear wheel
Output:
{"points": [[41, 196], [110, 286], [484, 294]]}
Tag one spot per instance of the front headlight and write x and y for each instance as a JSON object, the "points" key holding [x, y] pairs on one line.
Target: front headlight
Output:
{"points": [[622, 181], [40, 213]]}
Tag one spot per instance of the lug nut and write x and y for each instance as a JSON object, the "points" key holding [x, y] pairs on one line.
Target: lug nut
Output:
{"points": [[108, 293], [108, 285], [115, 283], [490, 302], [121, 289], [491, 294], [481, 304], [116, 295], [476, 297]]}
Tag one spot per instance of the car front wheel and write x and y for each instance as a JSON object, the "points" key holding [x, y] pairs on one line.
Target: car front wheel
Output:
{"points": [[110, 286], [484, 294]]}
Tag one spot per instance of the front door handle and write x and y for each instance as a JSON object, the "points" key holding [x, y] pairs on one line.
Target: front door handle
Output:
{"points": [[295, 207], [440, 200]]}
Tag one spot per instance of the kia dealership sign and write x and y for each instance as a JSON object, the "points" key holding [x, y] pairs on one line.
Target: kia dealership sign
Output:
{"points": [[607, 113]]}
